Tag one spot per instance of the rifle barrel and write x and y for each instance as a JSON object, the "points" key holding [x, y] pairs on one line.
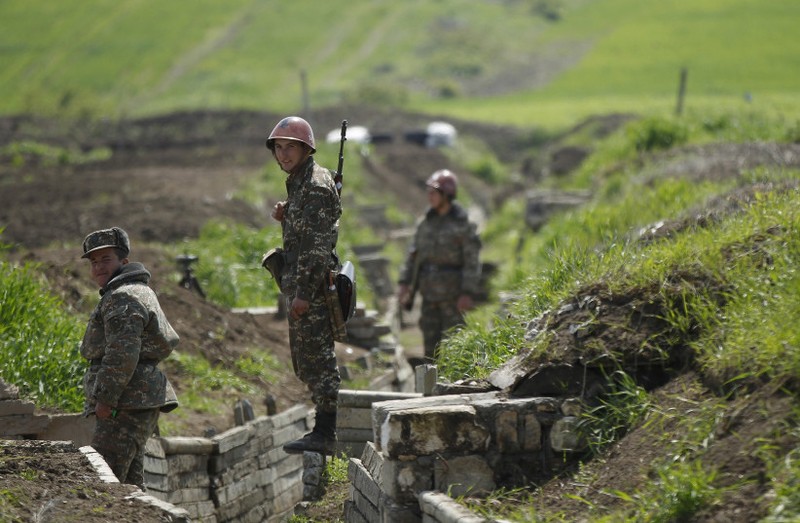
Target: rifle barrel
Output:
{"points": [[338, 178]]}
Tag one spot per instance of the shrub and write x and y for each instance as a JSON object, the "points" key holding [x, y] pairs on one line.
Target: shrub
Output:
{"points": [[39, 341], [657, 133]]}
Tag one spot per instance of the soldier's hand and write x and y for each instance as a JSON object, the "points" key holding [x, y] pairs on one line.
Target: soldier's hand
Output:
{"points": [[464, 303], [403, 294], [298, 308], [277, 211], [103, 410]]}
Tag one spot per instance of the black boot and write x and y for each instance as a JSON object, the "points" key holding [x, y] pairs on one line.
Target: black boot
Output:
{"points": [[321, 439]]}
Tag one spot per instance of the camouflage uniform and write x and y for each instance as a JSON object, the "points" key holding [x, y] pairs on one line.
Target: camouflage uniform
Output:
{"points": [[310, 232], [126, 337], [446, 249]]}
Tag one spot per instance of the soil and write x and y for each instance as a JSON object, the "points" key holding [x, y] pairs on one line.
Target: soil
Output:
{"points": [[42, 482], [167, 176]]}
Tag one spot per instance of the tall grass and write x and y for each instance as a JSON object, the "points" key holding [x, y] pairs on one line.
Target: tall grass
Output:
{"points": [[229, 263], [39, 341], [599, 242]]}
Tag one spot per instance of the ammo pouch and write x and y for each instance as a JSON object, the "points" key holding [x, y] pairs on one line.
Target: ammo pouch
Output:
{"points": [[274, 260], [340, 294]]}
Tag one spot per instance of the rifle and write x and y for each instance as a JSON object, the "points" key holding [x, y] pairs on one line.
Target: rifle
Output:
{"points": [[341, 293], [337, 179]]}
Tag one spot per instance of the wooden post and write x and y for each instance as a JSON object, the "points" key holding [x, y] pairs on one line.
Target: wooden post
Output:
{"points": [[681, 91], [304, 90]]}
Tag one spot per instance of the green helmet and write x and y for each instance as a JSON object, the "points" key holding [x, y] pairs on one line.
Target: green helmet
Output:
{"points": [[104, 238]]}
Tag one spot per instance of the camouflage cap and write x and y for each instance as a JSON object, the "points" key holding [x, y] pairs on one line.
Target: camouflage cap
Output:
{"points": [[104, 238]]}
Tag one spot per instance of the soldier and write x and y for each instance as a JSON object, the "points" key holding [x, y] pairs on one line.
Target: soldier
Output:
{"points": [[442, 262], [309, 220], [127, 336]]}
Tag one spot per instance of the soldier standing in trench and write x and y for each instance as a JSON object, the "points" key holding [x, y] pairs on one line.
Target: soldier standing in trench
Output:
{"points": [[309, 220], [126, 337], [442, 262]]}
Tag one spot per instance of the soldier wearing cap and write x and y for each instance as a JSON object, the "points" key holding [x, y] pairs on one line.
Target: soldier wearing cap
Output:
{"points": [[442, 262], [126, 337], [309, 220]]}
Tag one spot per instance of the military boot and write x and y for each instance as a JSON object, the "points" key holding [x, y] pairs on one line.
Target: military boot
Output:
{"points": [[321, 439]]}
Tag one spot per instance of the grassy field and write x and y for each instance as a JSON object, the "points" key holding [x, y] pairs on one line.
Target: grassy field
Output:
{"points": [[537, 62]]}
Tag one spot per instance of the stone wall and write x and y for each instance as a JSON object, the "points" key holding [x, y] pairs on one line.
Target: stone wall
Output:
{"points": [[461, 444], [242, 474], [18, 420]]}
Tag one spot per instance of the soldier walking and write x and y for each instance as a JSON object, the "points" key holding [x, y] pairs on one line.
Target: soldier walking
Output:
{"points": [[442, 262], [126, 337], [309, 220]]}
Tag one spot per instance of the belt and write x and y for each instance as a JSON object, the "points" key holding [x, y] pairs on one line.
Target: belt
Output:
{"points": [[291, 257], [440, 267], [143, 361]]}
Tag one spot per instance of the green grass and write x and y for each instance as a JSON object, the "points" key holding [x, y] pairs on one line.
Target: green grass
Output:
{"points": [[735, 326], [147, 57], [39, 341], [637, 50], [334, 477]]}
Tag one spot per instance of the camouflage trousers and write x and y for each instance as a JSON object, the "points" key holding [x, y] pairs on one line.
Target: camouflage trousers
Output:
{"points": [[121, 442], [436, 317], [313, 355]]}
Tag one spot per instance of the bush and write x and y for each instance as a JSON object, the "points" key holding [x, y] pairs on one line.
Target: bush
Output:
{"points": [[657, 133], [39, 342]]}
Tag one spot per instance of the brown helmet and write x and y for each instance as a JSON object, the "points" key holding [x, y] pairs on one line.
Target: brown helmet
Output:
{"points": [[445, 181], [292, 128]]}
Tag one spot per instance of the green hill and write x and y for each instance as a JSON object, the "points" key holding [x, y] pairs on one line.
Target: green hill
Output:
{"points": [[681, 266], [543, 62]]}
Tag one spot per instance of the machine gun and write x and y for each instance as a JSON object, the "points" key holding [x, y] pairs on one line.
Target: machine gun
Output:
{"points": [[188, 279]]}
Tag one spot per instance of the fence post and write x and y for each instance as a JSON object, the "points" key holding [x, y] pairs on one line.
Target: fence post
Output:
{"points": [[681, 91]]}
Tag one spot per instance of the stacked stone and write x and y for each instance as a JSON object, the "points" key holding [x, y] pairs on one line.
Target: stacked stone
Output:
{"points": [[314, 483], [252, 478], [176, 471], [400, 374], [354, 419], [241, 475], [459, 444], [366, 328], [17, 419]]}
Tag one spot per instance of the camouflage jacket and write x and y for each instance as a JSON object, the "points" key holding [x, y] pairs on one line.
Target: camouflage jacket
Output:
{"points": [[310, 230], [126, 337], [444, 253]]}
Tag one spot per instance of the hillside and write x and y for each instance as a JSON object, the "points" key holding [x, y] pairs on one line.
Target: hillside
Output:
{"points": [[164, 186], [673, 283], [567, 59], [165, 179]]}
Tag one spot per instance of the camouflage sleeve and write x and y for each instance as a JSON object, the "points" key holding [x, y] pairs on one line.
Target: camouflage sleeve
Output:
{"points": [[124, 319], [316, 241], [407, 269], [471, 273]]}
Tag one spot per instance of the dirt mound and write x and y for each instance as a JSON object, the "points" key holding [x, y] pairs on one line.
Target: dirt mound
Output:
{"points": [[43, 481]]}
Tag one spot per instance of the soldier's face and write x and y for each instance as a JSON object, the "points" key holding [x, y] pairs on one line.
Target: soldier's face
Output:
{"points": [[435, 198], [104, 263], [290, 154]]}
